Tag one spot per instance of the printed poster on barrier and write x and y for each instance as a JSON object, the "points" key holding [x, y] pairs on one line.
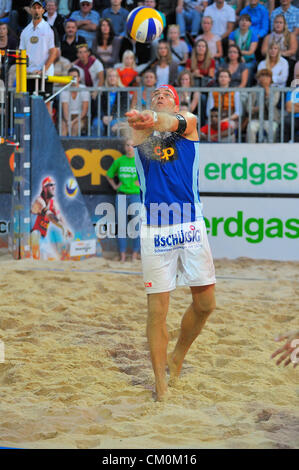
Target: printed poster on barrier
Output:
{"points": [[61, 227]]}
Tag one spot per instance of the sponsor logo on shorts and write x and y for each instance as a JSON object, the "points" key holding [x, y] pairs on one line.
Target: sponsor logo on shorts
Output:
{"points": [[147, 284], [181, 237]]}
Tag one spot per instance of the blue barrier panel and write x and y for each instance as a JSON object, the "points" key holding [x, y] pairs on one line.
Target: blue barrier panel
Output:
{"points": [[60, 222], [5, 214], [19, 240]]}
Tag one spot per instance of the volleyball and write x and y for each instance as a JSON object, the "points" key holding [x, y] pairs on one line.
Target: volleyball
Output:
{"points": [[71, 187], [144, 24]]}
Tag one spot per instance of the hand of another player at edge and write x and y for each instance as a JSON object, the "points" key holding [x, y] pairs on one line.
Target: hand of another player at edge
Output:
{"points": [[287, 349], [140, 120]]}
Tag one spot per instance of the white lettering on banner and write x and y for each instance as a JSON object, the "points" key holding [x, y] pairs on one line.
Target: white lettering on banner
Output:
{"points": [[83, 247], [259, 228], [271, 168]]}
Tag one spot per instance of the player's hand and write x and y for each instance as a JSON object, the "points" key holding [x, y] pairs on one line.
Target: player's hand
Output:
{"points": [[140, 121], [287, 349]]}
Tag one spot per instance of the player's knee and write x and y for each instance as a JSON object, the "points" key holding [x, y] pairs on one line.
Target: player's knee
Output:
{"points": [[204, 307]]}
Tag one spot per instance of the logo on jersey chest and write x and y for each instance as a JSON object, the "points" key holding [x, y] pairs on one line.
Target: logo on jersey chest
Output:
{"points": [[164, 153], [163, 148]]}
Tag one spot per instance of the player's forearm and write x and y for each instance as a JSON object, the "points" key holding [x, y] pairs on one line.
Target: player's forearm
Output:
{"points": [[164, 122]]}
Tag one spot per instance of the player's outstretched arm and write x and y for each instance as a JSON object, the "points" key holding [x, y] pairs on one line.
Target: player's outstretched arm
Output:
{"points": [[148, 121]]}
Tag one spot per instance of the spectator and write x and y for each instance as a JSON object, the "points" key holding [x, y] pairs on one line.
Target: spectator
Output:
{"points": [[118, 17], [268, 4], [178, 47], [213, 40], [201, 64], [38, 40], [292, 97], [8, 40], [90, 68], [277, 64], [65, 7], [148, 83], [246, 39], [290, 13], [210, 133], [71, 40], [188, 16], [53, 18], [127, 71], [224, 18], [5, 10], [106, 45], [191, 98], [264, 79], [87, 21], [165, 68], [128, 189], [281, 34], [113, 105], [287, 41], [228, 103], [237, 68], [75, 106], [259, 22]]}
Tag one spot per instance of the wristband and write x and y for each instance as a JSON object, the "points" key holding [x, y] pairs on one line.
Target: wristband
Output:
{"points": [[182, 124]]}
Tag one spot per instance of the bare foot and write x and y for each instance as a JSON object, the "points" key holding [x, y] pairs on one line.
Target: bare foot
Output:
{"points": [[122, 257], [161, 392], [174, 370]]}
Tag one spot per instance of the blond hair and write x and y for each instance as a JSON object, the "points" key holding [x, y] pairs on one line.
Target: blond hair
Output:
{"points": [[119, 82], [286, 33], [273, 43], [170, 28], [128, 53]]}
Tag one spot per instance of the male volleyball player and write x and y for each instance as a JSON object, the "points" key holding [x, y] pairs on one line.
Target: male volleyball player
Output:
{"points": [[174, 245], [46, 210]]}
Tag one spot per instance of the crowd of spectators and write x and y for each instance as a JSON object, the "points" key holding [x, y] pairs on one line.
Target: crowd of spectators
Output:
{"points": [[234, 43]]}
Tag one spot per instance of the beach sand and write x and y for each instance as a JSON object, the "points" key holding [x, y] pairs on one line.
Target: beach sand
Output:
{"points": [[77, 371]]}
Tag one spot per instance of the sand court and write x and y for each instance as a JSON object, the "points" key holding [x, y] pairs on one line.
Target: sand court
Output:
{"points": [[77, 370]]}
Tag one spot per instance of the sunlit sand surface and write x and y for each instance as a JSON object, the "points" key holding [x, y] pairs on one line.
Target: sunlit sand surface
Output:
{"points": [[77, 371]]}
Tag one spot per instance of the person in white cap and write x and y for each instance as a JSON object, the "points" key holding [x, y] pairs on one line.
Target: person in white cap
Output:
{"points": [[38, 40]]}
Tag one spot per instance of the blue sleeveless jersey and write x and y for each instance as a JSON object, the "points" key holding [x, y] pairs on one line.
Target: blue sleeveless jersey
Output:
{"points": [[168, 171]]}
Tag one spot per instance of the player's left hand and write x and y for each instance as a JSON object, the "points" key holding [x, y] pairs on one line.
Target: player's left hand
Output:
{"points": [[287, 349]]}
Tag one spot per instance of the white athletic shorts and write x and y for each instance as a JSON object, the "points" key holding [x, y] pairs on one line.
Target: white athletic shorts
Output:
{"points": [[176, 255]]}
